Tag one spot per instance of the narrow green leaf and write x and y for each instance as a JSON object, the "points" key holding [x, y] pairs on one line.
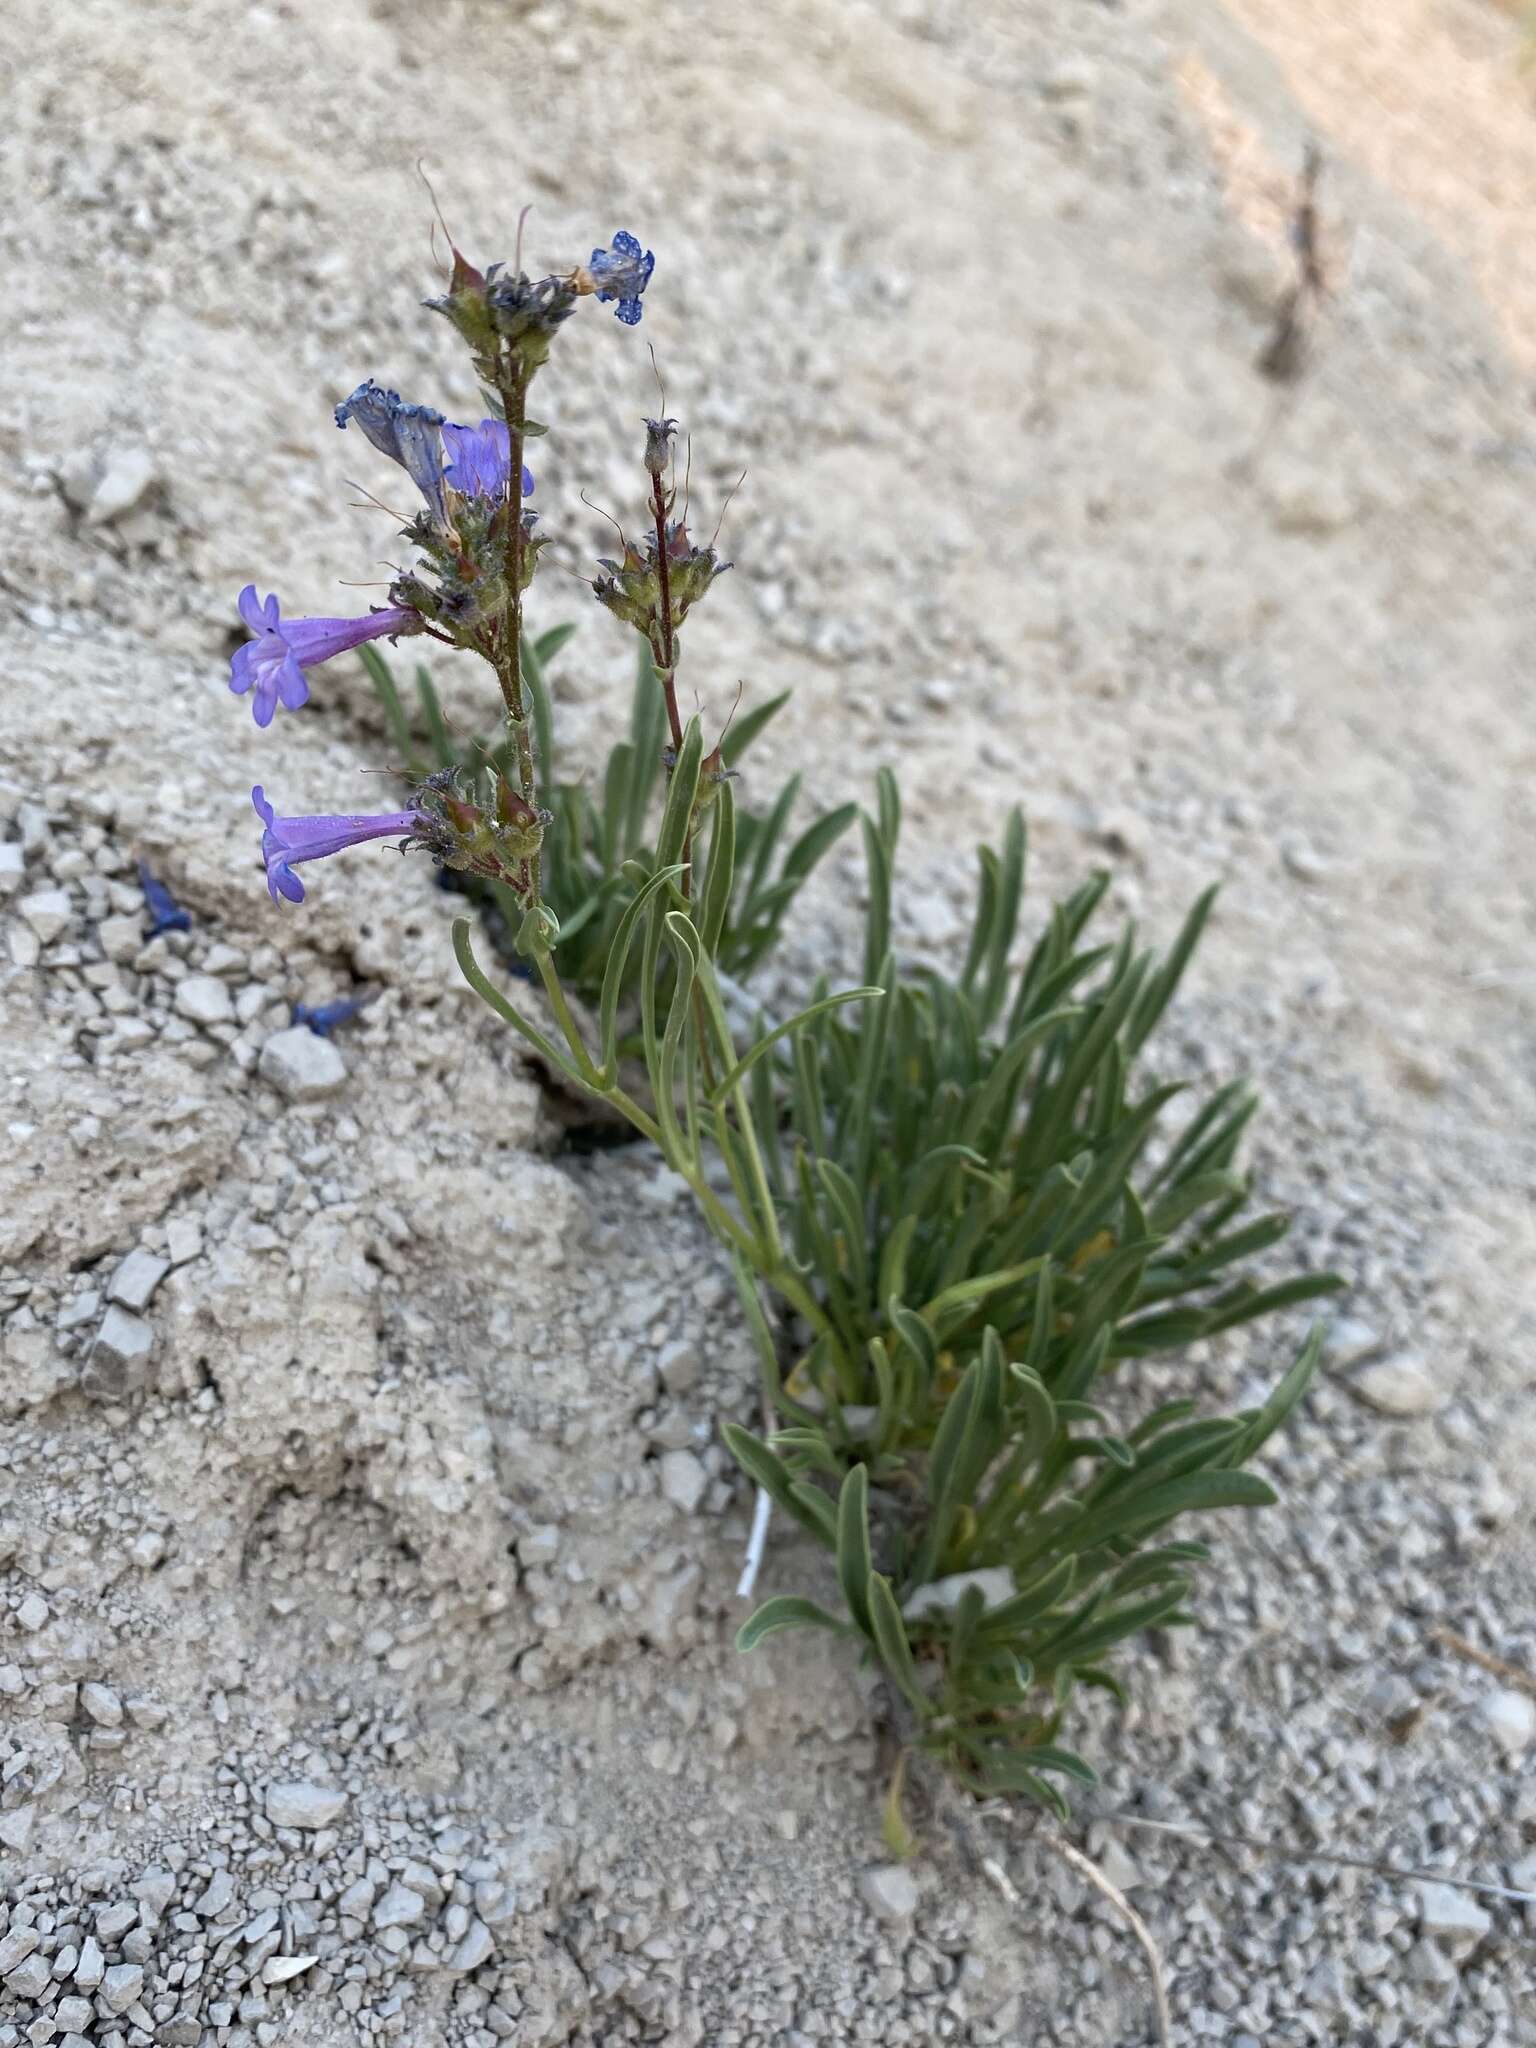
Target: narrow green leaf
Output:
{"points": [[1282, 1400], [1194, 1493], [854, 1563], [722, 870], [548, 645], [1011, 1617], [750, 1059], [618, 960], [1007, 1774], [890, 1638], [817, 841], [488, 993], [785, 1610]]}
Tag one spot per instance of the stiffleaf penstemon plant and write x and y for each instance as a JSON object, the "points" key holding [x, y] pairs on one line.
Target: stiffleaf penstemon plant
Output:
{"points": [[957, 1195]]}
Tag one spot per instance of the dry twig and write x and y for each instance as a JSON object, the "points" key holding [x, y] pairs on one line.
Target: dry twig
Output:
{"points": [[1485, 1660], [1090, 1872], [1402, 1872]]}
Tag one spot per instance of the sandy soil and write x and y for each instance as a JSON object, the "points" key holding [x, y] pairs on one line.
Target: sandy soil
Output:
{"points": [[366, 1588]]}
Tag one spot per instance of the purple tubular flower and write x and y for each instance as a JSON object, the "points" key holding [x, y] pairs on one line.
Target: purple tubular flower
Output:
{"points": [[287, 841], [407, 434], [479, 458], [622, 272], [272, 665]]}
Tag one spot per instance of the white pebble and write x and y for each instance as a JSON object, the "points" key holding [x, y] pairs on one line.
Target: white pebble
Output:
{"points": [[204, 999], [304, 1806], [47, 911], [137, 1278], [683, 1480], [300, 1065], [1511, 1716], [1397, 1386], [890, 1891], [102, 1704]]}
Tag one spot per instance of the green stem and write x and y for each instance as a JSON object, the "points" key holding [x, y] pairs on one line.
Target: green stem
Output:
{"points": [[509, 667], [566, 1019]]}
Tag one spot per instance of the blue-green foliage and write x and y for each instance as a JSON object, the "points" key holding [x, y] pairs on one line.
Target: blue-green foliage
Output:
{"points": [[996, 1225]]}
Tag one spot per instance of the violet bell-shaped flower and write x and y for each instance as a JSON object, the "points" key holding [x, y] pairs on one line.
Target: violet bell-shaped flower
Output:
{"points": [[272, 665], [479, 459], [287, 841], [408, 434]]}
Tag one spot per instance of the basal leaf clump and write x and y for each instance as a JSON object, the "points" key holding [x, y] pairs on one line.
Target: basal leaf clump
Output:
{"points": [[999, 1223]]}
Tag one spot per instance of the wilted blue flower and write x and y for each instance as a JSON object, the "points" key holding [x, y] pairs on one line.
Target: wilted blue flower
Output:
{"points": [[479, 458], [322, 1018], [287, 841], [622, 272], [273, 664], [165, 913], [407, 434]]}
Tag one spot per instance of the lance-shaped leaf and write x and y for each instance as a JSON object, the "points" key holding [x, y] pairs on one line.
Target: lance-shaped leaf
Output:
{"points": [[786, 1610], [890, 1638], [854, 1563]]}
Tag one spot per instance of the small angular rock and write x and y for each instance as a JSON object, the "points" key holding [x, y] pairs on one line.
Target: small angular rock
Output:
{"points": [[304, 1805], [204, 999], [1401, 1386], [1511, 1716], [15, 1947], [890, 1891], [399, 1907], [118, 1361], [1453, 1916], [47, 912], [125, 481], [219, 1893], [477, 1947], [281, 1969], [683, 1480], [16, 1827], [121, 1986], [102, 1704], [184, 1235], [32, 1614], [31, 1978], [136, 1279], [301, 1065]]}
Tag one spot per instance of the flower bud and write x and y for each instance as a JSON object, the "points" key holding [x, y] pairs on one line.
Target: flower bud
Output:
{"points": [[658, 449], [467, 305]]}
